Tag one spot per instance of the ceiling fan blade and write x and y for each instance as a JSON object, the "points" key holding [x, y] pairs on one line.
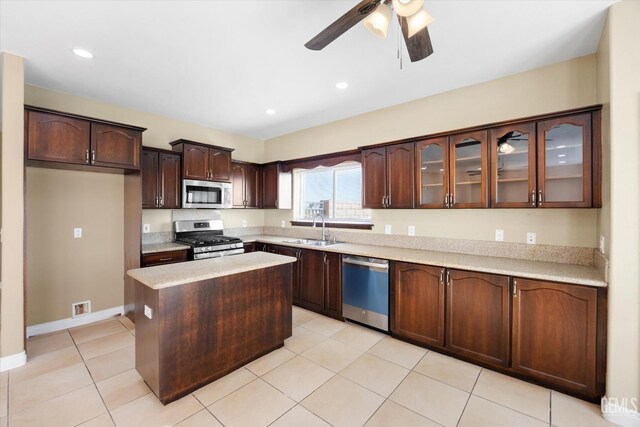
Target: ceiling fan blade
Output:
{"points": [[418, 45], [340, 26]]}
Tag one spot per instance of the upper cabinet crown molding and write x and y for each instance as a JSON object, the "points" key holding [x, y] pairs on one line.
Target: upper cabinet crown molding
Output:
{"points": [[63, 140]]}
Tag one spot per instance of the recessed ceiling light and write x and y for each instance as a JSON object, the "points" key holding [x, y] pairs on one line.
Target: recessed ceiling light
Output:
{"points": [[82, 53], [562, 155], [562, 162], [270, 111], [342, 85], [561, 146]]}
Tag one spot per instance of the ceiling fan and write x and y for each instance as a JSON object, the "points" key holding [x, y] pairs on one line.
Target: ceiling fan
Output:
{"points": [[413, 19]]}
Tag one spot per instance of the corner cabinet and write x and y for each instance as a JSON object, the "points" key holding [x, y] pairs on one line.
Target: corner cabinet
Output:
{"points": [[53, 136], [277, 187], [388, 177], [204, 162], [245, 180], [161, 178]]}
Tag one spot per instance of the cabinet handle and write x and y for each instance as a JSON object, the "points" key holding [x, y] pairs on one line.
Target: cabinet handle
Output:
{"points": [[446, 200], [448, 278], [539, 197], [86, 157], [156, 201], [93, 155], [324, 259], [165, 259], [450, 200], [515, 289], [161, 201], [533, 198], [442, 276], [276, 203]]}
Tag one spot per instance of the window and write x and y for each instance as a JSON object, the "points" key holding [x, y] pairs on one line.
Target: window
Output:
{"points": [[335, 192]]}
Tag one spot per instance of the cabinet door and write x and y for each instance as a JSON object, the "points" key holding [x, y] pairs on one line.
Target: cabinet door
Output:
{"points": [[149, 179], [220, 165], [513, 166], [418, 303], [56, 138], [400, 176], [477, 323], [564, 162], [555, 333], [332, 285], [169, 181], [195, 162], [162, 258], [114, 146], [252, 186], [468, 170], [295, 276], [249, 247], [270, 186], [312, 279], [237, 185], [374, 178], [432, 173]]}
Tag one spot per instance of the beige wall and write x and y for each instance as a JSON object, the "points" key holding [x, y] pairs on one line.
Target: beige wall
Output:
{"points": [[604, 97], [557, 87], [623, 361], [63, 270], [11, 309]]}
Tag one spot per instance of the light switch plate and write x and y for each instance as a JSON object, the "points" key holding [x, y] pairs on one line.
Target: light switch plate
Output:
{"points": [[282, 224], [244, 222], [387, 229], [499, 235], [77, 233], [148, 311], [146, 228], [531, 238], [411, 230]]}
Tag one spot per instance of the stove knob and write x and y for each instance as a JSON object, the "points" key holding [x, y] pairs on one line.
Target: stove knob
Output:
{"points": [[210, 248]]}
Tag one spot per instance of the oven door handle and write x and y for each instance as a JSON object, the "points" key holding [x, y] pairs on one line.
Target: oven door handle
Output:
{"points": [[384, 266]]}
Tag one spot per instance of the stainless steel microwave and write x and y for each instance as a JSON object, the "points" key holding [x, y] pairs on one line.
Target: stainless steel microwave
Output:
{"points": [[206, 194]]}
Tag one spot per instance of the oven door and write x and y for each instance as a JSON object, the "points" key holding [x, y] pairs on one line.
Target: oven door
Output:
{"points": [[205, 194]]}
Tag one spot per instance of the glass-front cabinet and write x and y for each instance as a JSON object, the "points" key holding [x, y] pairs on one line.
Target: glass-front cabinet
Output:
{"points": [[432, 173], [513, 166], [564, 162], [468, 170]]}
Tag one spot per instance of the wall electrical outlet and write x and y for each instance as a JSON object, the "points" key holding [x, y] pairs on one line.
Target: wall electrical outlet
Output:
{"points": [[148, 311], [79, 309], [411, 230], [282, 224], [601, 244], [146, 228], [499, 235], [387, 229], [77, 233], [531, 238], [244, 222]]}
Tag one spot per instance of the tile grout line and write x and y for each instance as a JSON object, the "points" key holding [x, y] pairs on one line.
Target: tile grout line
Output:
{"points": [[469, 397]]}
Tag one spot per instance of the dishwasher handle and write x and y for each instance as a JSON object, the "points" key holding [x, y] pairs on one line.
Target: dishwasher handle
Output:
{"points": [[381, 266]]}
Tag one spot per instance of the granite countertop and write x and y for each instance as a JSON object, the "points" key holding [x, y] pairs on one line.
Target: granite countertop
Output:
{"points": [[164, 276], [162, 247], [565, 273]]}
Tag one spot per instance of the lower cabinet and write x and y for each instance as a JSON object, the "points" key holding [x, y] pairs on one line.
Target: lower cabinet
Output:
{"points": [[312, 279], [295, 275], [556, 334], [477, 323], [249, 247], [418, 303], [333, 285], [161, 258]]}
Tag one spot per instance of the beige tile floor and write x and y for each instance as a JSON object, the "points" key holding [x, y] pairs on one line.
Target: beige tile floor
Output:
{"points": [[328, 373]]}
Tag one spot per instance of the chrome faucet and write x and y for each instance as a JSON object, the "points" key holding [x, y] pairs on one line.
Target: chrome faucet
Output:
{"points": [[324, 229]]}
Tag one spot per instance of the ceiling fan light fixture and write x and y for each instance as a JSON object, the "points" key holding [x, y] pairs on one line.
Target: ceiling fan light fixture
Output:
{"points": [[378, 22], [407, 7], [506, 148], [418, 21]]}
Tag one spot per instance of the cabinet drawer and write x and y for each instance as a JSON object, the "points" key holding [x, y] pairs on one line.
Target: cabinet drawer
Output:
{"points": [[160, 258]]}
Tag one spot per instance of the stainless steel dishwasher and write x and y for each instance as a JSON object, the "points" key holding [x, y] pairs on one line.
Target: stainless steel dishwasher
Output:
{"points": [[365, 291]]}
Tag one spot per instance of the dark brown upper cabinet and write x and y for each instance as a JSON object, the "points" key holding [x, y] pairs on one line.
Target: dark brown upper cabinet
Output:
{"points": [[513, 166], [564, 162], [160, 176], [468, 170], [245, 180], [53, 136], [204, 162], [388, 177], [276, 187], [432, 173]]}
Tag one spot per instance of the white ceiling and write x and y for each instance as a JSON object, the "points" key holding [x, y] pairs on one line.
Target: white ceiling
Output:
{"points": [[222, 63]]}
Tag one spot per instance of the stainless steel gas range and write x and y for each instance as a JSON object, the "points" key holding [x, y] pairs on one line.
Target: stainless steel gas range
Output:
{"points": [[206, 239]]}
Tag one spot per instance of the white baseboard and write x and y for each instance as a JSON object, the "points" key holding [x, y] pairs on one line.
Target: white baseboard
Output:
{"points": [[622, 416], [13, 361], [59, 325]]}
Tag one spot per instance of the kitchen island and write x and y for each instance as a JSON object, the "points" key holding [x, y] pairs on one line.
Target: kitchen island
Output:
{"points": [[197, 321]]}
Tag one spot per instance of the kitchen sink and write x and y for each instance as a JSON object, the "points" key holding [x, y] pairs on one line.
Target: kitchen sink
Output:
{"points": [[313, 242]]}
